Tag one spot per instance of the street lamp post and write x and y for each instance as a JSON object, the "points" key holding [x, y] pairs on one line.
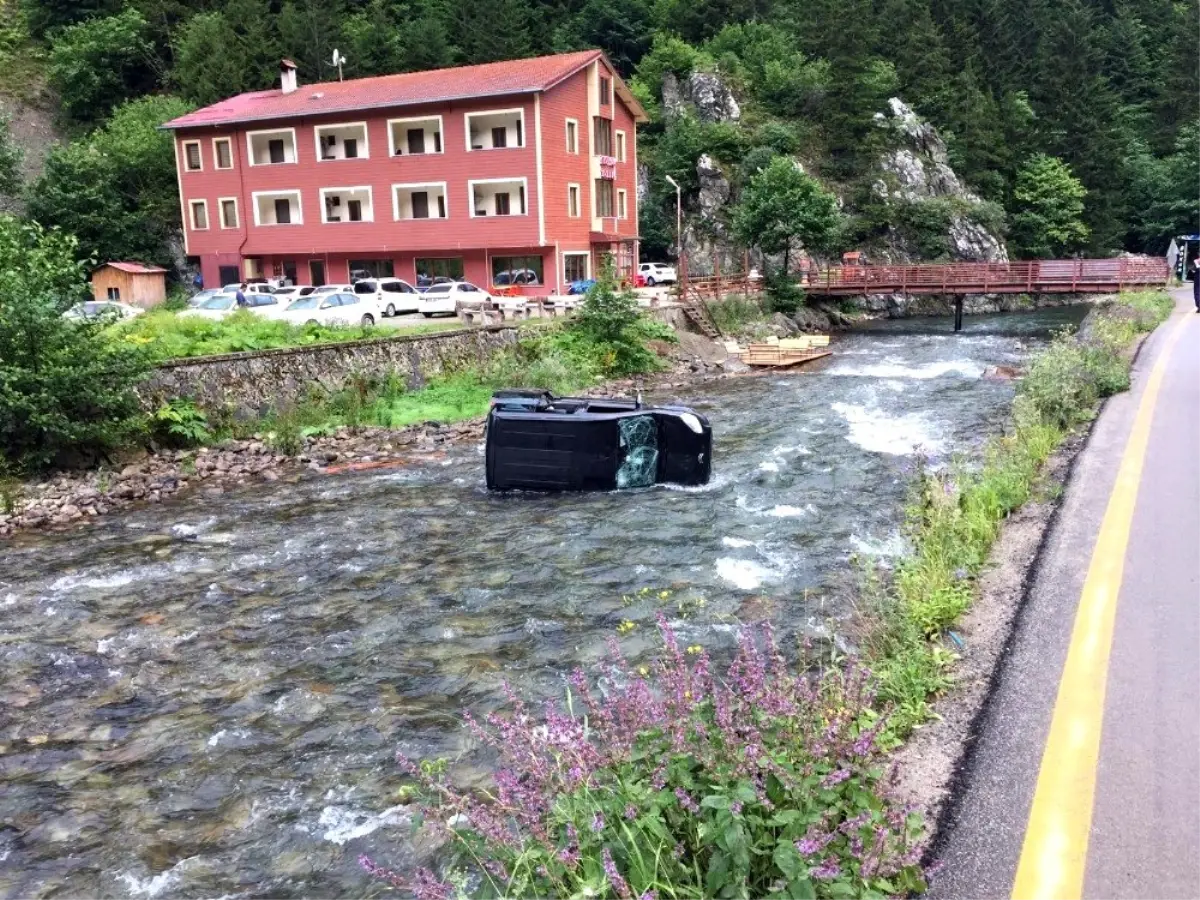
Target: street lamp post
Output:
{"points": [[679, 261]]}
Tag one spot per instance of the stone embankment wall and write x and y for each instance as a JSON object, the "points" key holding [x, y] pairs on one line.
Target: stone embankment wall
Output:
{"points": [[253, 383], [899, 306]]}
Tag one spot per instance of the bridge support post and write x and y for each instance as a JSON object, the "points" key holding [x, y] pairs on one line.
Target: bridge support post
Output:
{"points": [[958, 314]]}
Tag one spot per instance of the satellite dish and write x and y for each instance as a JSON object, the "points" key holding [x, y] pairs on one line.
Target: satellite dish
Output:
{"points": [[338, 61]]}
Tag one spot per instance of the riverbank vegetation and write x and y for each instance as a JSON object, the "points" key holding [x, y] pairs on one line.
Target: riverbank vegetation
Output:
{"points": [[955, 514], [165, 335], [766, 782]]}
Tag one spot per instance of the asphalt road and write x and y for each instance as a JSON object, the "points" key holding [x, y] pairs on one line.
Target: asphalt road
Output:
{"points": [[1142, 838]]}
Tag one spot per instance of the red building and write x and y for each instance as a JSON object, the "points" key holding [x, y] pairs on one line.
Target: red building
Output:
{"points": [[521, 172]]}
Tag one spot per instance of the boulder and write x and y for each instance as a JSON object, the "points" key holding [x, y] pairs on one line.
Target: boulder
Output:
{"points": [[704, 94]]}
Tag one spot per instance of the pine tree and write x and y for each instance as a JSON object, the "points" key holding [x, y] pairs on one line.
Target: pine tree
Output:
{"points": [[309, 30], [490, 30]]}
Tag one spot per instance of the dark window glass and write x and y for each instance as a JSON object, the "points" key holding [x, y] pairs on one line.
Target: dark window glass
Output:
{"points": [[289, 271], [193, 156], [229, 213], [350, 145], [224, 155], [520, 135], [502, 208], [365, 287], [575, 267], [283, 212], [438, 267], [604, 198], [521, 198], [114, 293], [605, 92], [510, 270], [437, 142], [199, 216], [602, 138], [371, 268], [347, 300], [416, 140], [500, 137], [441, 206], [420, 205], [275, 148], [355, 208]]}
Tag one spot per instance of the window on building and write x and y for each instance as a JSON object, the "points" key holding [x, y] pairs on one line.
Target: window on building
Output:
{"points": [[114, 293], [416, 140], [223, 150], [602, 136], [502, 205], [431, 269], [510, 270], [621, 214], [350, 145], [191, 155], [347, 140], [283, 211], [199, 215], [354, 208], [605, 91], [499, 197], [409, 137], [495, 130], [348, 204], [604, 198], [499, 137], [276, 151], [229, 214], [420, 204], [266, 148], [573, 200], [620, 146], [575, 267], [572, 136], [371, 268]]}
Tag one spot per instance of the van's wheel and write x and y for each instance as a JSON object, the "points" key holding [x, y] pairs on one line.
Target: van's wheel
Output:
{"points": [[427, 315], [312, 322], [368, 319], [649, 282], [390, 311]]}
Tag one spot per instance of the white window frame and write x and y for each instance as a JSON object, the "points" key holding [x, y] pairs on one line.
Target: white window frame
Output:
{"points": [[622, 203], [286, 192], [587, 265], [396, 188], [237, 213], [250, 148], [192, 204], [493, 112], [619, 138], [199, 153], [217, 158], [359, 188], [567, 129], [441, 130], [471, 195], [578, 214], [366, 140]]}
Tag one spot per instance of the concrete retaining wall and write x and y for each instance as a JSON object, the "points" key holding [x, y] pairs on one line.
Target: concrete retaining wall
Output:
{"points": [[253, 383]]}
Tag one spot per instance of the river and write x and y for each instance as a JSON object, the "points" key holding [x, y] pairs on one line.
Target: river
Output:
{"points": [[202, 698]]}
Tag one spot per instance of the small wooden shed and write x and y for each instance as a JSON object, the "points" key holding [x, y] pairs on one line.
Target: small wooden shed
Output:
{"points": [[130, 282]]}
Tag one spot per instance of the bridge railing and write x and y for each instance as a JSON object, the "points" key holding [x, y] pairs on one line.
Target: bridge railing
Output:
{"points": [[1067, 275]]}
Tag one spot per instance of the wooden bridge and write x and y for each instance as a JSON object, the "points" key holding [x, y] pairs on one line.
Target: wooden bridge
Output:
{"points": [[1052, 276]]}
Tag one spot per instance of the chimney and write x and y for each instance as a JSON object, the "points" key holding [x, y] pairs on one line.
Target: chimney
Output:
{"points": [[287, 76]]}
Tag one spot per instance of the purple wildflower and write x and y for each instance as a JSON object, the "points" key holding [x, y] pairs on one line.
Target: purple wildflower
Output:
{"points": [[620, 885], [827, 871], [649, 895], [598, 822], [631, 812], [678, 851], [569, 856], [836, 777], [736, 807], [808, 846], [686, 801]]}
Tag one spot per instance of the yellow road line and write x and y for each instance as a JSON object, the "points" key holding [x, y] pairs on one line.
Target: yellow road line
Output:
{"points": [[1054, 854]]}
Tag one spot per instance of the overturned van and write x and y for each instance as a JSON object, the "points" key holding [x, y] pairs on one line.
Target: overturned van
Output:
{"points": [[539, 442]]}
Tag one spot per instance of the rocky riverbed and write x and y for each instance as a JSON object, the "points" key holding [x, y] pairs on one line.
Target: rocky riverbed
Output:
{"points": [[68, 499]]}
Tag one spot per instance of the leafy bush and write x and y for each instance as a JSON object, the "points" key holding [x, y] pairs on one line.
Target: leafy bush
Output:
{"points": [[179, 423], [675, 783], [609, 330], [66, 389], [733, 314]]}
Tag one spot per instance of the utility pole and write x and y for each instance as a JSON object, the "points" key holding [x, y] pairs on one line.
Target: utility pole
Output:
{"points": [[679, 260]]}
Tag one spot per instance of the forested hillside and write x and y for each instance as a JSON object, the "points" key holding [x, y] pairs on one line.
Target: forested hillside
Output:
{"points": [[1042, 103]]}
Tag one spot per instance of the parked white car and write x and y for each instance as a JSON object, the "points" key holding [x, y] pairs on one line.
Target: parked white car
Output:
{"points": [[657, 273], [293, 292], [394, 295], [449, 298], [102, 309], [256, 287], [218, 306], [331, 308]]}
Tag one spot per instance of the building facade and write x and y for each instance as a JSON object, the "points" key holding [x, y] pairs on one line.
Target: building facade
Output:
{"points": [[130, 282], [518, 175]]}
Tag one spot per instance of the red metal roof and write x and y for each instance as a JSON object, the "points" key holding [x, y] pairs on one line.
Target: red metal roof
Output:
{"points": [[517, 76], [135, 268]]}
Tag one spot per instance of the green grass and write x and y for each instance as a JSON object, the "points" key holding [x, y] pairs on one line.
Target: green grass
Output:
{"points": [[166, 335], [735, 314], [954, 516]]}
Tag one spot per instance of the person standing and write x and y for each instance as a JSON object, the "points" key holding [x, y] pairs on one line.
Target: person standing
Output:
{"points": [[240, 297], [1196, 282]]}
